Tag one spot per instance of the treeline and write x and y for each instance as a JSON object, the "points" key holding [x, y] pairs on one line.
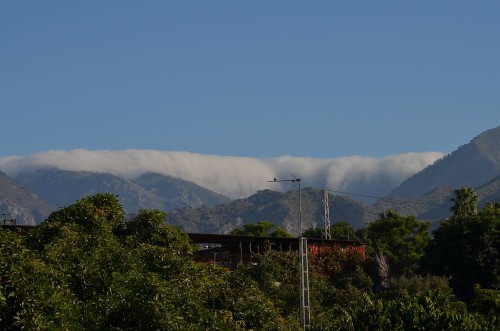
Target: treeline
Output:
{"points": [[86, 268]]}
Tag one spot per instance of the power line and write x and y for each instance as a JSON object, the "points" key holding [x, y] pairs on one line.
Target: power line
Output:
{"points": [[340, 211], [343, 216], [392, 199]]}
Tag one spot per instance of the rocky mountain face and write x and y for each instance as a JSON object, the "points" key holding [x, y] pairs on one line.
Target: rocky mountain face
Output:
{"points": [[471, 165], [179, 192], [17, 202], [151, 191], [279, 208], [61, 188]]}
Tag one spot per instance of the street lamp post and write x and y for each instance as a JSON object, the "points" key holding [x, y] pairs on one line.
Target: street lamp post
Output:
{"points": [[304, 264], [294, 180]]}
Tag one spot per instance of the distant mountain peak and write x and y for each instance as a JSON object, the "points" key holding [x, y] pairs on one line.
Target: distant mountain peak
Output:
{"points": [[488, 143], [149, 191], [472, 164]]}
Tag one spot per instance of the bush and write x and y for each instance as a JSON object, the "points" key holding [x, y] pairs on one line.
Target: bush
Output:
{"points": [[420, 285], [486, 302]]}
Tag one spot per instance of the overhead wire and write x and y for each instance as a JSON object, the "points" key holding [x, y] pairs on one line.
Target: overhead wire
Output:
{"points": [[340, 211], [391, 199], [401, 201]]}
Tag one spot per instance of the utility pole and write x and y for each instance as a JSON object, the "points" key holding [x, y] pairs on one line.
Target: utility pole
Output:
{"points": [[294, 180], [305, 309]]}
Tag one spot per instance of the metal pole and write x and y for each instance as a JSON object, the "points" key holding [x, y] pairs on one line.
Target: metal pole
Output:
{"points": [[300, 208], [303, 261]]}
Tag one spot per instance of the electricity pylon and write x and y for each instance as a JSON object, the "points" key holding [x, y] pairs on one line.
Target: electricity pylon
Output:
{"points": [[325, 234]]}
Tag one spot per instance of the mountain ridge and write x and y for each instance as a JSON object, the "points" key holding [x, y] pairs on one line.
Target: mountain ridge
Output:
{"points": [[63, 187], [279, 208], [471, 165], [424, 195], [20, 203]]}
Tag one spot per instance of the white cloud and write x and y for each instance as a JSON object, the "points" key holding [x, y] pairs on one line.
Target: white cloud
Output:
{"points": [[236, 177]]}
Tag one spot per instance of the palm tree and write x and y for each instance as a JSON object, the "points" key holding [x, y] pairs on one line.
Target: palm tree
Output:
{"points": [[465, 200]]}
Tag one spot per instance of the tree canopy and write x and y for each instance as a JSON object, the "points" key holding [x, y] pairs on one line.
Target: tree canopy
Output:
{"points": [[338, 230], [88, 268], [466, 247], [261, 229], [465, 202], [401, 239]]}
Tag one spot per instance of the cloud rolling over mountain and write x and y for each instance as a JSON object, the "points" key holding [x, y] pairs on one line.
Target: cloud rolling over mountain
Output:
{"points": [[236, 177]]}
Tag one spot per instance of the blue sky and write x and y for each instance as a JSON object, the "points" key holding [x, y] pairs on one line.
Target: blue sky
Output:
{"points": [[256, 78]]}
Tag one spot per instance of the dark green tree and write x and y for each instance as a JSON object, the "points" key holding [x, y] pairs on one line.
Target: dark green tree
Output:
{"points": [[401, 239], [33, 294], [85, 268], [338, 230], [312, 233], [466, 248], [465, 202], [260, 229]]}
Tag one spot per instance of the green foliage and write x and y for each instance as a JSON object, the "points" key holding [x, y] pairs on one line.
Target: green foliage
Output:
{"points": [[467, 250], [277, 275], [486, 302], [465, 202], [420, 285], [280, 232], [91, 215], [260, 229], [342, 230], [339, 230], [335, 263], [35, 296], [92, 212], [85, 268], [312, 233], [432, 311], [401, 239]]}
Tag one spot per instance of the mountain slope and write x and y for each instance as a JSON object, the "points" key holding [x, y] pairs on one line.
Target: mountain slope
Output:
{"points": [[276, 207], [472, 165], [435, 205], [490, 192], [150, 191], [61, 188], [179, 192], [20, 203]]}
